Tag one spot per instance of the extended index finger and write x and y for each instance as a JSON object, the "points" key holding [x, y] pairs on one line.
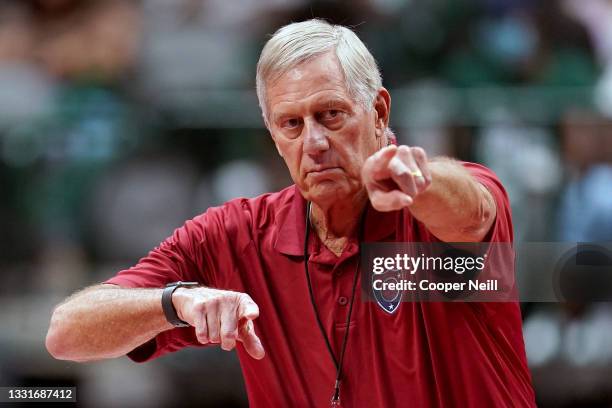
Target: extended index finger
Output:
{"points": [[250, 341], [377, 166]]}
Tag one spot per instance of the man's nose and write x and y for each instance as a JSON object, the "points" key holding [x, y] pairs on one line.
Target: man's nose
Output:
{"points": [[315, 139]]}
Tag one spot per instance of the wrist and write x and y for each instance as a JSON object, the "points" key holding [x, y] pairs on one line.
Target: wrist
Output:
{"points": [[172, 306], [179, 297]]}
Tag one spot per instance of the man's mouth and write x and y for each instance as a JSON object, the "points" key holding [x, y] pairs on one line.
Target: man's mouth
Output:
{"points": [[323, 170]]}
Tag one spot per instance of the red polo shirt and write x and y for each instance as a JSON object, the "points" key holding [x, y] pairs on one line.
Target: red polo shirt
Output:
{"points": [[423, 355]]}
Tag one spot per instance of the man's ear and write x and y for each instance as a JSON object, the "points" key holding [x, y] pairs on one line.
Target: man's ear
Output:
{"points": [[382, 111]]}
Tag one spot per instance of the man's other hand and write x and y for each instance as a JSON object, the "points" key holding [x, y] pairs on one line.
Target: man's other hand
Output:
{"points": [[395, 175], [220, 316]]}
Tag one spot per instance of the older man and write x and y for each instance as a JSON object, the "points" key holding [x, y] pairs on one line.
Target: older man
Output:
{"points": [[323, 102]]}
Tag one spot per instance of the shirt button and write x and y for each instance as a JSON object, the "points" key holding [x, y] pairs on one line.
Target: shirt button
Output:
{"points": [[342, 300]]}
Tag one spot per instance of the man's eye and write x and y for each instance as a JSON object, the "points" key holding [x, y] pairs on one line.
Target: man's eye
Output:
{"points": [[290, 123], [330, 115]]}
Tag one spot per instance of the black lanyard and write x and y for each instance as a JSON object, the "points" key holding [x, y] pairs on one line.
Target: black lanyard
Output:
{"points": [[335, 400]]}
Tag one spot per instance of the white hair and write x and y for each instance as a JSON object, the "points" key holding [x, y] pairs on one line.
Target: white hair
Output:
{"points": [[296, 43]]}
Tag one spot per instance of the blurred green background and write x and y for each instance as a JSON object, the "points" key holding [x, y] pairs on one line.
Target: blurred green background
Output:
{"points": [[121, 119]]}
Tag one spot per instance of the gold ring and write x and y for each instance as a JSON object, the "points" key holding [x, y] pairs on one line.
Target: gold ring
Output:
{"points": [[416, 173]]}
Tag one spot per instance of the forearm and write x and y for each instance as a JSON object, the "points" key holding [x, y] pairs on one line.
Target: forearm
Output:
{"points": [[455, 207], [105, 322]]}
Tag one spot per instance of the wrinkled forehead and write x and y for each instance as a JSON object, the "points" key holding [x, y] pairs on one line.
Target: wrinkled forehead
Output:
{"points": [[319, 75]]}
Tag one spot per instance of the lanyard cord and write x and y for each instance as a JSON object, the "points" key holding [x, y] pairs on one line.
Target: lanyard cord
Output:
{"points": [[338, 364]]}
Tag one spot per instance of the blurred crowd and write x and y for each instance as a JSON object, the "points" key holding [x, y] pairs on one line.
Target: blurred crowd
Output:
{"points": [[120, 119]]}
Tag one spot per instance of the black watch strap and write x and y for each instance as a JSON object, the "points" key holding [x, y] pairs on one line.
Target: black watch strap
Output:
{"points": [[168, 306]]}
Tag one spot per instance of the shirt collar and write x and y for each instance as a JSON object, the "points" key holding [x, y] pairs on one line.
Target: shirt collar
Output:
{"points": [[291, 225]]}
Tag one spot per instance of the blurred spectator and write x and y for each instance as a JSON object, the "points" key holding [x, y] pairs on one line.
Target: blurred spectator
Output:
{"points": [[198, 45], [62, 119], [526, 159], [595, 15], [586, 204], [136, 206], [240, 179], [42, 41], [71, 38]]}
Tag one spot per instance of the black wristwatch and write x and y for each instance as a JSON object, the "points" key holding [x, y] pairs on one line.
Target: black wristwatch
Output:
{"points": [[167, 305]]}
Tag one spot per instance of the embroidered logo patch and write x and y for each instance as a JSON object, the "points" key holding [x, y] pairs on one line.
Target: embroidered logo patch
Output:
{"points": [[388, 300]]}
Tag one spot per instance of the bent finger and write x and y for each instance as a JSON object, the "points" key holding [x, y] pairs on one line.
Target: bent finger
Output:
{"points": [[385, 201], [229, 327], [213, 323], [201, 328]]}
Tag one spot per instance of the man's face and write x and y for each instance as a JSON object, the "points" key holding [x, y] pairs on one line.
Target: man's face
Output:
{"points": [[322, 134]]}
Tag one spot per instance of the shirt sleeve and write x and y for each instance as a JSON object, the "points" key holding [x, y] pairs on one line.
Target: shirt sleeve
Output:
{"points": [[188, 255], [500, 261], [501, 230], [500, 253]]}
